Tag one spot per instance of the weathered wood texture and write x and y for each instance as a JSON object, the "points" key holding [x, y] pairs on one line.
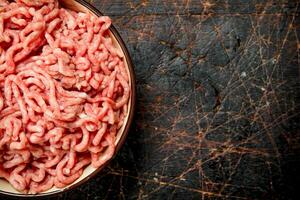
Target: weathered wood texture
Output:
{"points": [[218, 101]]}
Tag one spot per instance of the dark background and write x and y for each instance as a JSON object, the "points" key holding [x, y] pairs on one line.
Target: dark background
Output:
{"points": [[217, 101], [217, 108]]}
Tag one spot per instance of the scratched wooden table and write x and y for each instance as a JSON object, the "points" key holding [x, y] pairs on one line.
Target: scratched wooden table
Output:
{"points": [[218, 101]]}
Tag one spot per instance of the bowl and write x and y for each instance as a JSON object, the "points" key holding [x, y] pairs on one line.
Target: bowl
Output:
{"points": [[82, 6]]}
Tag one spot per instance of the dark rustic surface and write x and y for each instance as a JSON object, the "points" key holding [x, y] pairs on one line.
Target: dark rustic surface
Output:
{"points": [[218, 101]]}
